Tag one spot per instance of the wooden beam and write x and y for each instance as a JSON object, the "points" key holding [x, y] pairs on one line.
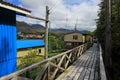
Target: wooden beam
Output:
{"points": [[56, 66], [69, 56], [33, 17], [41, 74], [56, 70], [69, 60], [46, 32]]}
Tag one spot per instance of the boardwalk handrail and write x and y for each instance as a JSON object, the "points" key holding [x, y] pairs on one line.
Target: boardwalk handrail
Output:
{"points": [[102, 67], [51, 67]]}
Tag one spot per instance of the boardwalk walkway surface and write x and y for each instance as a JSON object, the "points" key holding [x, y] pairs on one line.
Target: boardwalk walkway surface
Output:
{"points": [[85, 68]]}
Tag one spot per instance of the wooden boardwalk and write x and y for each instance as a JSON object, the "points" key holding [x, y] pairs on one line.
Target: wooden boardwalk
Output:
{"points": [[74, 64], [85, 68]]}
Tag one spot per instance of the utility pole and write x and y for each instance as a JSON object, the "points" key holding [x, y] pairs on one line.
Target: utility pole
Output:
{"points": [[108, 62], [46, 32], [76, 24]]}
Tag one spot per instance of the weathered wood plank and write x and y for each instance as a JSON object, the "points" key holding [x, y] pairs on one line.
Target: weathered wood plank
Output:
{"points": [[76, 68], [81, 68], [62, 77], [71, 74], [53, 76], [40, 75], [84, 69], [91, 60], [56, 66], [102, 67], [69, 60]]}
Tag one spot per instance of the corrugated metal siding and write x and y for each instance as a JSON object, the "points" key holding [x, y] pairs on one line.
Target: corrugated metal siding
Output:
{"points": [[7, 41], [29, 43]]}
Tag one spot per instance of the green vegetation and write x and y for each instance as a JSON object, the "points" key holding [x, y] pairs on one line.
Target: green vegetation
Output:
{"points": [[32, 58], [53, 54], [55, 43], [29, 59], [115, 29]]}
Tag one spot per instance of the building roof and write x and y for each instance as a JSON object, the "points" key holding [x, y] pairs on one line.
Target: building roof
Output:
{"points": [[23, 44], [73, 32], [17, 9]]}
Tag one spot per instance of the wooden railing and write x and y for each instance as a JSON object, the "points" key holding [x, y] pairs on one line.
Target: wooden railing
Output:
{"points": [[102, 66], [50, 68]]}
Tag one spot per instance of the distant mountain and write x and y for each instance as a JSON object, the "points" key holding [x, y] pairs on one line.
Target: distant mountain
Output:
{"points": [[25, 27], [38, 26], [33, 28], [61, 30]]}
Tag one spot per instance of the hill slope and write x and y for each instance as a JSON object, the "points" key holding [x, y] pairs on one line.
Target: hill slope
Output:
{"points": [[34, 28]]}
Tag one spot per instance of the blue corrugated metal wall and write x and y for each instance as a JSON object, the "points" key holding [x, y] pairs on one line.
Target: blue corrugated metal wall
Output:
{"points": [[7, 41]]}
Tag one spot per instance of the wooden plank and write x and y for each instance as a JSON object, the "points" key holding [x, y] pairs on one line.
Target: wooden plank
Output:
{"points": [[62, 77], [79, 50], [102, 67], [78, 73], [92, 70], [40, 75], [56, 66], [53, 76], [20, 78], [81, 77], [85, 70], [69, 60], [90, 65], [74, 70]]}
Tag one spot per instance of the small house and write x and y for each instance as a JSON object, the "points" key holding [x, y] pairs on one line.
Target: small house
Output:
{"points": [[24, 46], [74, 39], [88, 38]]}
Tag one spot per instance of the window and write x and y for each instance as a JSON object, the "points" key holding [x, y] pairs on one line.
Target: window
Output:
{"points": [[39, 51], [68, 44], [75, 37]]}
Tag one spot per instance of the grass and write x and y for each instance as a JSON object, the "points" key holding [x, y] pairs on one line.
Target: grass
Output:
{"points": [[31, 59], [53, 54], [23, 61]]}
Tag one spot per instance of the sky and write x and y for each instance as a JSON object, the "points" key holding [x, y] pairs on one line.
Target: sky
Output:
{"points": [[63, 13]]}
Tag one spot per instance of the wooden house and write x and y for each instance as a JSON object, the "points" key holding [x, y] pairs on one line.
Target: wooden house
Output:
{"points": [[88, 38], [74, 39]]}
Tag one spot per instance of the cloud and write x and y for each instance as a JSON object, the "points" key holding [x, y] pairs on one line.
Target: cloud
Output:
{"points": [[60, 10]]}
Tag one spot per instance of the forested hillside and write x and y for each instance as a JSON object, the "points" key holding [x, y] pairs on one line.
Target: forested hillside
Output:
{"points": [[115, 30]]}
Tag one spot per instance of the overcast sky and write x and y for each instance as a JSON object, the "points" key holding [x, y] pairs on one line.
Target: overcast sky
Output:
{"points": [[60, 10]]}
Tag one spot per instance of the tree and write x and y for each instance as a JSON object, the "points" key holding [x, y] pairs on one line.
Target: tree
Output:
{"points": [[115, 29]]}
